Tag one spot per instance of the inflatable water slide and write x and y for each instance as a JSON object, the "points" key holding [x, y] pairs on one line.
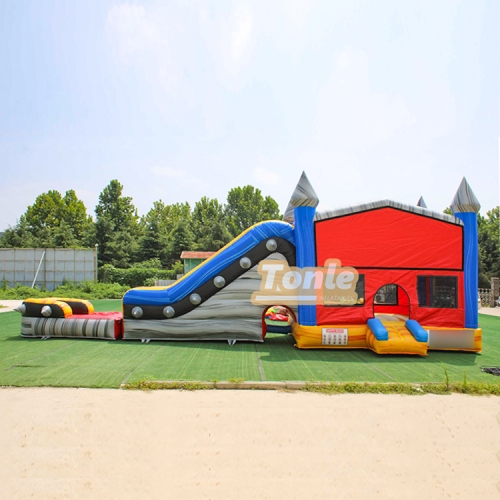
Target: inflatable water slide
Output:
{"points": [[415, 286], [213, 301]]}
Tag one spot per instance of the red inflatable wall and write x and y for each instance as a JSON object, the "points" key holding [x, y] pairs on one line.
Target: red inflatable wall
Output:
{"points": [[392, 246]]}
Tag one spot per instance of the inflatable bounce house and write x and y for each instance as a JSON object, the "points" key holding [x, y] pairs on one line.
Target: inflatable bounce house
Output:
{"points": [[416, 288]]}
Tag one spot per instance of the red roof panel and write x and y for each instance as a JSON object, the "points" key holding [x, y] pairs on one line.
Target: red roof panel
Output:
{"points": [[389, 238]]}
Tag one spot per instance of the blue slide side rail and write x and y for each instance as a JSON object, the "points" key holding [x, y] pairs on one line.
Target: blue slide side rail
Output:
{"points": [[378, 329], [416, 330]]}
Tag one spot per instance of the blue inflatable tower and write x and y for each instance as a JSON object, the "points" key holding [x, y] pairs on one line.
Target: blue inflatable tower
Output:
{"points": [[304, 202], [465, 206]]}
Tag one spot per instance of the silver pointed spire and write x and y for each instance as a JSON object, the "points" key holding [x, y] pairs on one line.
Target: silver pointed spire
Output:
{"points": [[465, 200], [288, 215], [304, 194], [421, 203]]}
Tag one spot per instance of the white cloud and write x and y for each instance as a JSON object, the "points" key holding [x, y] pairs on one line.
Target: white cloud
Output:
{"points": [[353, 115], [144, 38], [183, 53], [178, 177], [168, 173], [242, 33], [266, 177], [296, 13], [230, 39], [134, 30]]}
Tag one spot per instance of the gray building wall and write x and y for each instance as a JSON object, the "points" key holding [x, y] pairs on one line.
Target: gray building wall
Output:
{"points": [[19, 265]]}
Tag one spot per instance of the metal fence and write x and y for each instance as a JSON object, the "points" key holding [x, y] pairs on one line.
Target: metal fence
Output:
{"points": [[47, 267], [486, 297], [489, 296]]}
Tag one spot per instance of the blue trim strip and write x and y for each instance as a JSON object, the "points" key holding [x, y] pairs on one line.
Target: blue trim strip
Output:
{"points": [[306, 255], [416, 330], [378, 329], [470, 267], [212, 267]]}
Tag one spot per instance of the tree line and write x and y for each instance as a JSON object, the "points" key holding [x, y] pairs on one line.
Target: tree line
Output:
{"points": [[124, 238], [160, 236]]}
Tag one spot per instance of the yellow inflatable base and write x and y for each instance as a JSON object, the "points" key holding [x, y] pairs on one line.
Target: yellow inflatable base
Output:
{"points": [[400, 341]]}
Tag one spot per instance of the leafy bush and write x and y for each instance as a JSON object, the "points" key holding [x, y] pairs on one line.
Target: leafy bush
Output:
{"points": [[21, 292], [135, 276], [149, 264], [90, 290], [86, 290]]}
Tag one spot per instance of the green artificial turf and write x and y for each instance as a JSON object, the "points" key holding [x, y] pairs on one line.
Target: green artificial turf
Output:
{"points": [[107, 305], [362, 365], [103, 363]]}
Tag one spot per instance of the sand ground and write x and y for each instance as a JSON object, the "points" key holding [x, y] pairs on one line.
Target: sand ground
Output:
{"points": [[107, 444]]}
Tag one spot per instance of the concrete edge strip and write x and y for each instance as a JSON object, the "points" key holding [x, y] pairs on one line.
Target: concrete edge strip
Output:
{"points": [[255, 385], [263, 385]]}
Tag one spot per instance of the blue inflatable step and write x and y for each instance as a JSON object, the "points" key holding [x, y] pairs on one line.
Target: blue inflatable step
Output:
{"points": [[378, 329], [417, 331]]}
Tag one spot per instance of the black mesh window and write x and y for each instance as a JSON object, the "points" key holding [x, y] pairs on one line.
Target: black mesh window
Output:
{"points": [[387, 295], [437, 291]]}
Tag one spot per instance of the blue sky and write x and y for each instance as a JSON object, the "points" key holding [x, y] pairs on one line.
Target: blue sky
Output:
{"points": [[178, 100]]}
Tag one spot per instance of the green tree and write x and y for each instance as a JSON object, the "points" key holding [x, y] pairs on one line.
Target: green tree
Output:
{"points": [[158, 225], [63, 237], [52, 221], [217, 236], [246, 206], [89, 238], [122, 248], [18, 236], [46, 213], [153, 242], [174, 213], [75, 215], [210, 230], [117, 229], [181, 238]]}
